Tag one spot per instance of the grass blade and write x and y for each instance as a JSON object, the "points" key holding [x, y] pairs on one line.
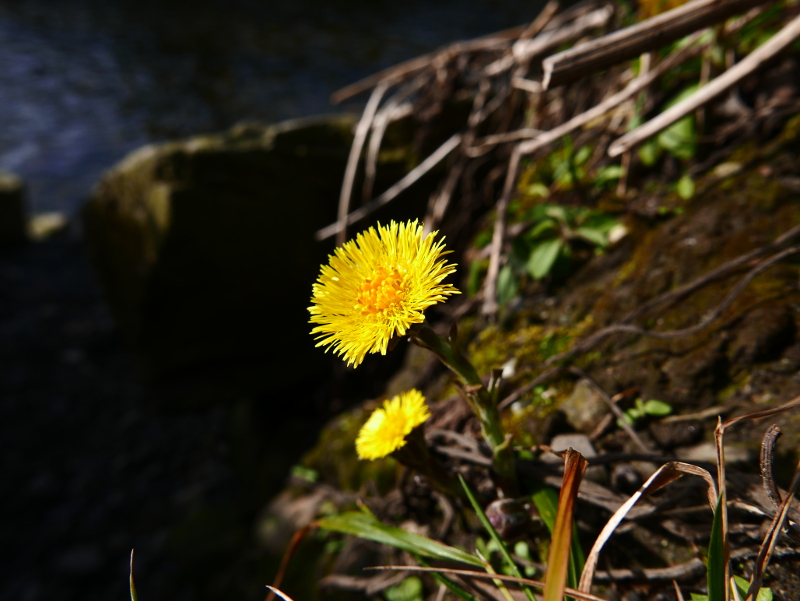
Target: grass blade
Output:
{"points": [[451, 585], [717, 571], [496, 537], [545, 499], [368, 527], [134, 596]]}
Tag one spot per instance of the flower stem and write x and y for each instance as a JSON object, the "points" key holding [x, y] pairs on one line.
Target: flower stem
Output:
{"points": [[414, 454], [479, 398]]}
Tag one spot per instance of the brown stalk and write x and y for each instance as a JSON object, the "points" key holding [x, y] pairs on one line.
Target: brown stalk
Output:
{"points": [[750, 64], [560, 542], [362, 130], [410, 178], [298, 538], [484, 576], [632, 41], [771, 538], [667, 473], [719, 434]]}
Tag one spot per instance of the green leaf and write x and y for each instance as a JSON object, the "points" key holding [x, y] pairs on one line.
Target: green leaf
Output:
{"points": [[599, 221], [546, 501], [583, 155], [477, 269], [495, 537], [537, 189], [546, 228], [685, 187], [543, 256], [507, 285], [409, 589], [305, 473], [657, 408], [649, 153], [558, 212], [680, 138], [743, 585], [592, 235], [538, 212], [716, 555], [609, 173], [365, 526]]}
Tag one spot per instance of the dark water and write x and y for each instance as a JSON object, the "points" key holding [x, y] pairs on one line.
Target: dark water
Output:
{"points": [[83, 82]]}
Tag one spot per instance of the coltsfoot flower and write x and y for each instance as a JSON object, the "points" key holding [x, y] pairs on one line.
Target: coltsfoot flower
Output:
{"points": [[375, 287], [388, 426]]}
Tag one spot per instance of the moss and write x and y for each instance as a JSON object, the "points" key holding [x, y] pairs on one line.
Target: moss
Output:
{"points": [[334, 455]]}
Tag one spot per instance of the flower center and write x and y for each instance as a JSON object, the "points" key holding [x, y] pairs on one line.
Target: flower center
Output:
{"points": [[381, 292]]}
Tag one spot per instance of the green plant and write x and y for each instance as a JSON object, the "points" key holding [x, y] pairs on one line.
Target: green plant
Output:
{"points": [[551, 239], [642, 409]]}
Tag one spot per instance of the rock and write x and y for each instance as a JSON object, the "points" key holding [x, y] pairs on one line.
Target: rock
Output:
{"points": [[582, 444], [764, 333], [205, 249], [676, 434], [625, 479], [694, 374], [707, 452], [12, 210], [584, 407]]}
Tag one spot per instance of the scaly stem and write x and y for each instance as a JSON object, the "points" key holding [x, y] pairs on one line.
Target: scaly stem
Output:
{"points": [[478, 397]]}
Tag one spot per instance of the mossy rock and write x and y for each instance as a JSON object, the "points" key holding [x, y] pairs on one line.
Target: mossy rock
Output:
{"points": [[334, 455], [206, 252]]}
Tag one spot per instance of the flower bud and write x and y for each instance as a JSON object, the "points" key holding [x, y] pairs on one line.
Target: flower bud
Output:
{"points": [[509, 517]]}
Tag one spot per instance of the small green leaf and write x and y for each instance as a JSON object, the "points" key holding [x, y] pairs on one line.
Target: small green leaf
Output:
{"points": [[409, 589], [507, 285], [680, 138], [558, 212], [592, 235], [477, 269], [743, 585], [685, 187], [609, 173], [538, 212], [305, 473], [538, 189], [545, 228], [649, 153], [583, 155], [543, 256], [365, 526], [598, 221], [657, 408]]}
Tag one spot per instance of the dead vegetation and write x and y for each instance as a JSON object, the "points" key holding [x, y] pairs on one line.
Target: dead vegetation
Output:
{"points": [[612, 90]]}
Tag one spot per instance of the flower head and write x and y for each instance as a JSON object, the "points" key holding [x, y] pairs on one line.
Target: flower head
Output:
{"points": [[387, 427], [376, 286]]}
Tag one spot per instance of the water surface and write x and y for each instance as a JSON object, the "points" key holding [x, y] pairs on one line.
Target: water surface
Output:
{"points": [[83, 82]]}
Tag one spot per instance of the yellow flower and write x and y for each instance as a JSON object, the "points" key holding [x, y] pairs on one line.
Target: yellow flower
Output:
{"points": [[375, 287], [387, 427]]}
